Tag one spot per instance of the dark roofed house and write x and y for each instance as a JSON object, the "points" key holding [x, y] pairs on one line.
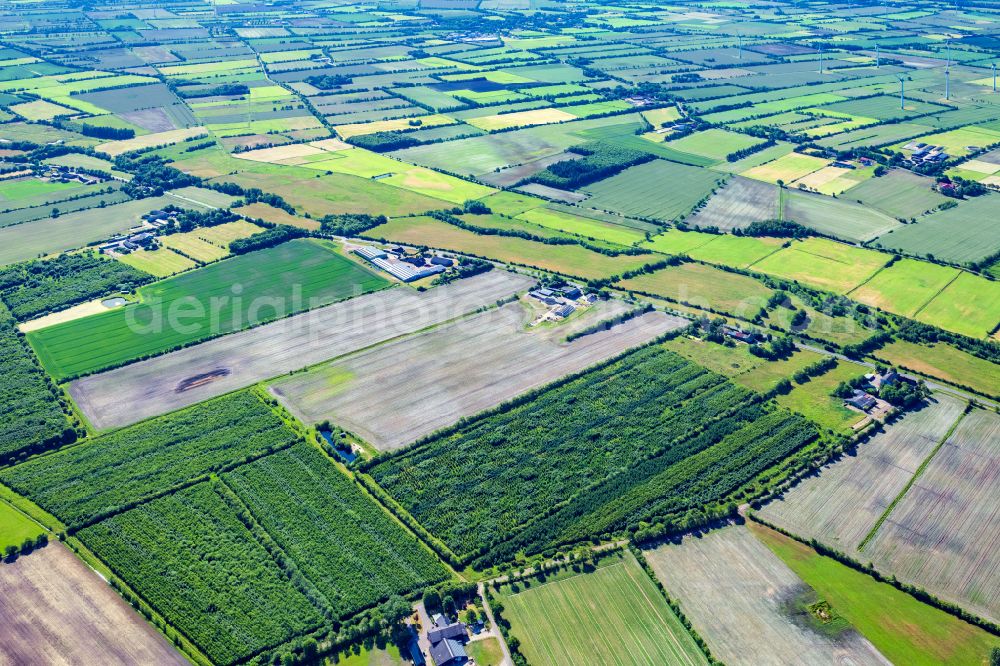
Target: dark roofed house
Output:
{"points": [[748, 337], [861, 400], [453, 631], [442, 261], [569, 291], [144, 239], [448, 653], [888, 378], [564, 310], [447, 642]]}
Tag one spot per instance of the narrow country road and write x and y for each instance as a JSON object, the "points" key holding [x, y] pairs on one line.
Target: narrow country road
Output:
{"points": [[494, 629]]}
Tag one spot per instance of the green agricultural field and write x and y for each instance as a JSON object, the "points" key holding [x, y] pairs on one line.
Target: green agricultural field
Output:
{"points": [[735, 251], [705, 287], [646, 457], [194, 560], [583, 226], [13, 190], [640, 192], [270, 284], [728, 361], [81, 484], [739, 364], [557, 621], [813, 399], [483, 154], [905, 287], [196, 248], [835, 217], [970, 305], [765, 377], [882, 107], [899, 193], [338, 537], [944, 362], [488, 221], [320, 194], [16, 528], [715, 144], [960, 234], [787, 168], [161, 262], [74, 230], [675, 241], [566, 259], [840, 330], [824, 264], [903, 629], [512, 203]]}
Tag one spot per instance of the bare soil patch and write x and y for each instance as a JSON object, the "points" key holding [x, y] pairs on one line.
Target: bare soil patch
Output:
{"points": [[55, 610]]}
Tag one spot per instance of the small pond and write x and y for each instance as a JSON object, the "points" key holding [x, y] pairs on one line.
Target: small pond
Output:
{"points": [[115, 302], [344, 451]]}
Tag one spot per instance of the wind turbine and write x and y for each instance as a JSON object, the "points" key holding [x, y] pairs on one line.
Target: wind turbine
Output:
{"points": [[876, 57], [947, 73], [902, 103], [994, 77]]}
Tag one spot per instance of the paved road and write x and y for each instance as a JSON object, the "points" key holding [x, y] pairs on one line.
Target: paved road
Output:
{"points": [[931, 384]]}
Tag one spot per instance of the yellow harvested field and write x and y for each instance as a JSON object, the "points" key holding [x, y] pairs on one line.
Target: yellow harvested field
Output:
{"points": [[521, 119], [160, 262], [189, 245], [787, 168], [42, 110], [224, 234], [95, 306], [294, 153], [357, 129], [168, 138], [978, 166], [331, 145], [262, 211], [817, 179], [657, 117]]}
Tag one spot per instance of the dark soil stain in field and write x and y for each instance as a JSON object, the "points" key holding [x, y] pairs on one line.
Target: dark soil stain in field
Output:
{"points": [[194, 381]]}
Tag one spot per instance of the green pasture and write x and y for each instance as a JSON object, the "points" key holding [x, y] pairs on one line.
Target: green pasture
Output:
{"points": [[16, 528], [587, 617], [824, 264], [221, 298], [903, 629]]}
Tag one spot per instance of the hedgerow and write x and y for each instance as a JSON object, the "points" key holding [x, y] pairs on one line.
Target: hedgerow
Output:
{"points": [[33, 416], [117, 471], [340, 539]]}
